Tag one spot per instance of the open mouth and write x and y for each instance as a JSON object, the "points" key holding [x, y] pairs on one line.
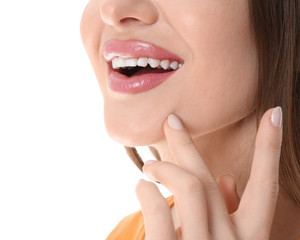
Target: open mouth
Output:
{"points": [[136, 66], [141, 66]]}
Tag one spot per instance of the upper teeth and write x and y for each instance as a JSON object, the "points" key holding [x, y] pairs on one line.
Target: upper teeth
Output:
{"points": [[143, 62]]}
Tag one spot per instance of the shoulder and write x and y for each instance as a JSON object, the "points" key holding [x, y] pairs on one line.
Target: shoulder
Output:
{"points": [[129, 228]]}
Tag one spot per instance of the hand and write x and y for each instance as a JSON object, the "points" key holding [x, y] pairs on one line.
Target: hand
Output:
{"points": [[199, 202]]}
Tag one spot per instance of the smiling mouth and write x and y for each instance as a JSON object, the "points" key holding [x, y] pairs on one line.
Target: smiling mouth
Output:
{"points": [[131, 67], [136, 66]]}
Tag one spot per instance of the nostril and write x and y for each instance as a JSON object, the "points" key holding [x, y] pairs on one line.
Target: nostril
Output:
{"points": [[128, 20]]}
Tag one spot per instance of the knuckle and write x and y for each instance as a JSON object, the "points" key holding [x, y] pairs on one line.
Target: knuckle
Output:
{"points": [[267, 186], [272, 186], [191, 184], [211, 186], [208, 181], [195, 185]]}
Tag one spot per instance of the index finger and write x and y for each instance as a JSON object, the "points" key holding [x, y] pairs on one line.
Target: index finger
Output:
{"points": [[188, 157], [260, 196], [184, 150]]}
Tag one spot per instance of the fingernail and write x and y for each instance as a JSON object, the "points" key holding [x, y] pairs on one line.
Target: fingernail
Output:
{"points": [[174, 122], [147, 163], [277, 117]]}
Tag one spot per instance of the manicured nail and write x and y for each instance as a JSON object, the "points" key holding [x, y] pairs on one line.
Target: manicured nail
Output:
{"points": [[277, 117], [174, 122], [147, 163]]}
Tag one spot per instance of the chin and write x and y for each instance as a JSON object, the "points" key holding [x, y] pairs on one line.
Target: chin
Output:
{"points": [[134, 134]]}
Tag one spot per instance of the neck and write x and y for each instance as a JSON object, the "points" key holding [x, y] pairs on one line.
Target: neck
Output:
{"points": [[230, 150]]}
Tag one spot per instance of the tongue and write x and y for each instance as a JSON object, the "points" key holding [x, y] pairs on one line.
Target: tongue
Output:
{"points": [[149, 70]]}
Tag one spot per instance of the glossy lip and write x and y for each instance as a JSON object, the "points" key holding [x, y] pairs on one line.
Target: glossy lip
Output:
{"points": [[135, 49]]}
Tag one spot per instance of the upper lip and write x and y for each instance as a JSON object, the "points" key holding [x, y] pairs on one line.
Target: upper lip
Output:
{"points": [[136, 49]]}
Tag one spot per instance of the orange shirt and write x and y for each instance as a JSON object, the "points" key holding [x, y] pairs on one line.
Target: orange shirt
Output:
{"points": [[132, 226]]}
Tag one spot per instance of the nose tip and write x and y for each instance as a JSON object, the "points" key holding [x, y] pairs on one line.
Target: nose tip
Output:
{"points": [[118, 13]]}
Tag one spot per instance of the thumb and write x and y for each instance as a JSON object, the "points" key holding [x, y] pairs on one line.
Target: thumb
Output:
{"points": [[228, 189]]}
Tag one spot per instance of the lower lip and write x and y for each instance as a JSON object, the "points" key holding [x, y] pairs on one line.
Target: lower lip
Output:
{"points": [[120, 83]]}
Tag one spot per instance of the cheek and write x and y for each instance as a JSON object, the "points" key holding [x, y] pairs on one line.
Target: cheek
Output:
{"points": [[211, 106], [221, 79], [210, 92], [222, 86], [91, 27]]}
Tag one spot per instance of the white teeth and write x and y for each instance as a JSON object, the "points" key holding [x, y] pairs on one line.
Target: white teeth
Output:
{"points": [[165, 64], [174, 65], [132, 62], [118, 62], [154, 63], [143, 62]]}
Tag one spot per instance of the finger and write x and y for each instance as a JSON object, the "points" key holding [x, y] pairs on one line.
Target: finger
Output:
{"points": [[189, 196], [228, 189], [188, 157], [183, 148], [260, 196], [156, 212]]}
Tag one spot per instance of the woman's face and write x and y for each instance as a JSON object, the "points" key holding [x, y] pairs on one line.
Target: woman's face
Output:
{"points": [[216, 84]]}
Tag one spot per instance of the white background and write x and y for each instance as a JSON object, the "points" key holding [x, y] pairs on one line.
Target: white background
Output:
{"points": [[61, 176]]}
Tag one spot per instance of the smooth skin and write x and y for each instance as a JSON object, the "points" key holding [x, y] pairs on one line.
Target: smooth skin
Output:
{"points": [[198, 199], [213, 94]]}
